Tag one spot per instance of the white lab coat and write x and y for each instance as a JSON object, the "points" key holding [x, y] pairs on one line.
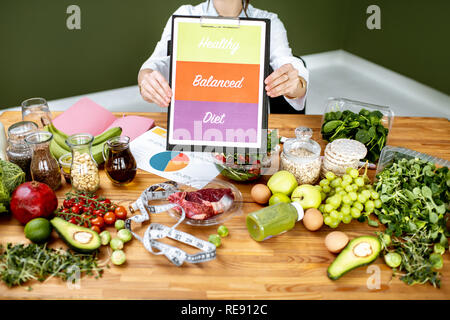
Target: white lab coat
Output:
{"points": [[280, 52]]}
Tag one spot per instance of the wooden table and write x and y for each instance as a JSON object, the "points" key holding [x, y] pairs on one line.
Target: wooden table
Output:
{"points": [[291, 266]]}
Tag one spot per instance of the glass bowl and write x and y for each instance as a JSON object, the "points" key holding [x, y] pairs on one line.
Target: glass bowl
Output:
{"points": [[247, 168], [220, 218]]}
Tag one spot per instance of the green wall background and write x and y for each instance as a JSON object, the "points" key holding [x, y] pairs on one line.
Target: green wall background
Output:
{"points": [[39, 56], [413, 40]]}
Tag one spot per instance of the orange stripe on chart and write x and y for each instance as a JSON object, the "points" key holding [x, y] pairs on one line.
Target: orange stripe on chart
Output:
{"points": [[217, 82]]}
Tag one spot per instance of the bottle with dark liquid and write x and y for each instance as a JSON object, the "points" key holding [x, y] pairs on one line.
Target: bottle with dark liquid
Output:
{"points": [[120, 165]]}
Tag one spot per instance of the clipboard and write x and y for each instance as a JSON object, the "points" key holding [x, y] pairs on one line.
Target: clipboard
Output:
{"points": [[217, 71]]}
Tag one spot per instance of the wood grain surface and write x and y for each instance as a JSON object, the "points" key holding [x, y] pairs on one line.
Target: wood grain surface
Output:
{"points": [[290, 266]]}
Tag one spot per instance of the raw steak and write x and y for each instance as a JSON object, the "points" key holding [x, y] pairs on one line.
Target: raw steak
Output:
{"points": [[204, 203]]}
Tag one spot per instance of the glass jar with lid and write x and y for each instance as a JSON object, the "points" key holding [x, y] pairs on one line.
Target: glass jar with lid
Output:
{"points": [[44, 167], [83, 171], [342, 154], [301, 156], [18, 151]]}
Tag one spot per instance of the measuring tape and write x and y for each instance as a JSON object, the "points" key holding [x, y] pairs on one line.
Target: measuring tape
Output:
{"points": [[157, 231]]}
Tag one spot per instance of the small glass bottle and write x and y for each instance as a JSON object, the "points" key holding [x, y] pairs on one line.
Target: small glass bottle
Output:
{"points": [[65, 161], [44, 168], [301, 156], [18, 151], [273, 220], [120, 165], [83, 171]]}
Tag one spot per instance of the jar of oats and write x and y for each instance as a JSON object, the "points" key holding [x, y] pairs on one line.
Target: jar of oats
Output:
{"points": [[301, 156], [83, 171]]}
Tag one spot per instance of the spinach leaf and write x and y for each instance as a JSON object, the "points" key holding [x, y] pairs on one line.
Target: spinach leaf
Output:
{"points": [[362, 136]]}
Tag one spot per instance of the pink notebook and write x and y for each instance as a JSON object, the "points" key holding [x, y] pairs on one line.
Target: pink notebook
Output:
{"points": [[86, 116]]}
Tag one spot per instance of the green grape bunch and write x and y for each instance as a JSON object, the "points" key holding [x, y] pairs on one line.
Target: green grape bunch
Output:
{"points": [[348, 197]]}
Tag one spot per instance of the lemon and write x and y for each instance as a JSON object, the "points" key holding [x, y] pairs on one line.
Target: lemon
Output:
{"points": [[277, 198], [38, 230]]}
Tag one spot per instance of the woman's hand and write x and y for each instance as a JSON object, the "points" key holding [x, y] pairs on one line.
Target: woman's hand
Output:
{"points": [[285, 81], [154, 87]]}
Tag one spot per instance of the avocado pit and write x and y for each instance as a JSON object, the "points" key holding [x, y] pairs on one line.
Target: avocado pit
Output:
{"points": [[362, 250], [82, 237]]}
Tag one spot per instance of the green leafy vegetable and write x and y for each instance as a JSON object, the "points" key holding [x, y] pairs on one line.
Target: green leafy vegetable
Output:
{"points": [[417, 266], [11, 176], [20, 263], [415, 200], [365, 127]]}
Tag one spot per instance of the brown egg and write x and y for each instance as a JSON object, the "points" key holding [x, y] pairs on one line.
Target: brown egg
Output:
{"points": [[260, 193], [336, 241], [313, 219]]}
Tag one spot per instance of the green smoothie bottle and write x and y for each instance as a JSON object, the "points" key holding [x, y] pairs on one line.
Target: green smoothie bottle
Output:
{"points": [[273, 220]]}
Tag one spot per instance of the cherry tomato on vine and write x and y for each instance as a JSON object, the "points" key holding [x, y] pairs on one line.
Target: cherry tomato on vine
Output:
{"points": [[96, 229], [75, 209], [98, 221], [109, 217], [121, 212], [67, 203], [106, 201], [98, 213], [73, 220], [86, 209]]}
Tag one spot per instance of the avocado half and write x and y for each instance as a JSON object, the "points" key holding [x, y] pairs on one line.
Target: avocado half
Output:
{"points": [[78, 238], [359, 252]]}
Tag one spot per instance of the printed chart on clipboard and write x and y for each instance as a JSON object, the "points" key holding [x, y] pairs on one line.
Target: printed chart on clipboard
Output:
{"points": [[218, 67]]}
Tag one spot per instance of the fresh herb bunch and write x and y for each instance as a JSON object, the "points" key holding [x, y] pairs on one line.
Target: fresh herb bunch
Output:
{"points": [[415, 201], [20, 263], [416, 251], [365, 127]]}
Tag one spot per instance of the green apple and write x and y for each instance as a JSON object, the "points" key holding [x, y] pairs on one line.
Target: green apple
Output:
{"points": [[282, 182], [307, 196], [277, 198]]}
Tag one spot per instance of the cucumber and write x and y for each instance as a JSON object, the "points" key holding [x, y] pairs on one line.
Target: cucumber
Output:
{"points": [[58, 146], [97, 153], [59, 139], [54, 130], [56, 150], [105, 136]]}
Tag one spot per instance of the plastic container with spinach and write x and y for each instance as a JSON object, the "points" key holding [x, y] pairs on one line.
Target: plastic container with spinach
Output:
{"points": [[365, 122]]}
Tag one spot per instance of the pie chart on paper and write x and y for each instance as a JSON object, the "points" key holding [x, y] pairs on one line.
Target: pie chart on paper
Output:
{"points": [[169, 161]]}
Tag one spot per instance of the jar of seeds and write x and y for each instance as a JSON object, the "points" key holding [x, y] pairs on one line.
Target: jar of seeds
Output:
{"points": [[83, 171], [342, 154], [44, 168], [18, 151], [301, 156]]}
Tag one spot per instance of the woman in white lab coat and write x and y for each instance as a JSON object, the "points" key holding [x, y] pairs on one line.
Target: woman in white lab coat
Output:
{"points": [[290, 78]]}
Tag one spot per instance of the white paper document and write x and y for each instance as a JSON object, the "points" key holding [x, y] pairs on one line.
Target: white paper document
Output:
{"points": [[149, 150]]}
